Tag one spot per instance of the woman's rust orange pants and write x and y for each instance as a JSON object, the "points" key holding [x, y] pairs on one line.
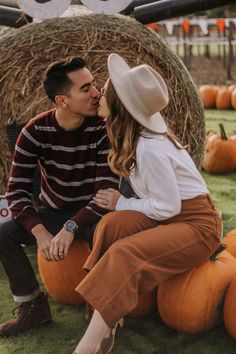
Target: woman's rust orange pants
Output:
{"points": [[132, 254]]}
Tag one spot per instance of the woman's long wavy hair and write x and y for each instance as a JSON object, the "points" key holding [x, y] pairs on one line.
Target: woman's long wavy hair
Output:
{"points": [[123, 132]]}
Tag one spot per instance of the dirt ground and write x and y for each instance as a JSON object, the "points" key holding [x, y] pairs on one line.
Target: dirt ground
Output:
{"points": [[210, 71]]}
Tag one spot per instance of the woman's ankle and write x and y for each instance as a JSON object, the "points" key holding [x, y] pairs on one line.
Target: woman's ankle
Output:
{"points": [[85, 348]]}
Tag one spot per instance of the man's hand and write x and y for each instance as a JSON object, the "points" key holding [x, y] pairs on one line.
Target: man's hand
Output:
{"points": [[107, 198], [44, 239], [60, 245], [52, 248]]}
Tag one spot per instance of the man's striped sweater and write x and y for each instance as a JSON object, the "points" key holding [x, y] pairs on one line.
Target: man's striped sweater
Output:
{"points": [[73, 167]]}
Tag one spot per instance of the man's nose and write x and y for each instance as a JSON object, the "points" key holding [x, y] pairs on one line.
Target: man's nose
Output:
{"points": [[95, 92]]}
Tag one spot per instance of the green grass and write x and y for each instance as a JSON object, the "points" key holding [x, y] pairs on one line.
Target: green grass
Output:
{"points": [[216, 116], [148, 335]]}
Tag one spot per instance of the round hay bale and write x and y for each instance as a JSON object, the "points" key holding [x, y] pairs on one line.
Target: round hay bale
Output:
{"points": [[26, 52]]}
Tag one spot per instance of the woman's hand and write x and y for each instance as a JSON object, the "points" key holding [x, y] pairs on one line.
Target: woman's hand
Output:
{"points": [[107, 198]]}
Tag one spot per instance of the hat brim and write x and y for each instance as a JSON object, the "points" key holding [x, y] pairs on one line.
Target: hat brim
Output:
{"points": [[117, 66]]}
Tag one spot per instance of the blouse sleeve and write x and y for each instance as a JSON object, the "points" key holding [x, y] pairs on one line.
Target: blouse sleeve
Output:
{"points": [[159, 180]]}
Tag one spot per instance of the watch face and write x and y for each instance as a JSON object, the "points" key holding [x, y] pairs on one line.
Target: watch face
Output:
{"points": [[71, 225]]}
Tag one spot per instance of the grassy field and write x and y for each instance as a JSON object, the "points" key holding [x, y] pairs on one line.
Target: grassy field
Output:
{"points": [[148, 335]]}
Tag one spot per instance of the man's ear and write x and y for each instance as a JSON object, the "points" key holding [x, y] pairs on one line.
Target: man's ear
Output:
{"points": [[61, 101]]}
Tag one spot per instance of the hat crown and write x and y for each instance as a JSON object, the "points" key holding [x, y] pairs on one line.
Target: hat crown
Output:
{"points": [[148, 88], [142, 91]]}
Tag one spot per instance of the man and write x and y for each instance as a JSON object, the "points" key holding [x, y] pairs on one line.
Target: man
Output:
{"points": [[70, 147]]}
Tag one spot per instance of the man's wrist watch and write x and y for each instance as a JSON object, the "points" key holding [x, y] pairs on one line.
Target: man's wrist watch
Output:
{"points": [[70, 225]]}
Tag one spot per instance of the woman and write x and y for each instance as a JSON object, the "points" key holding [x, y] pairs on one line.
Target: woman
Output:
{"points": [[170, 227]]}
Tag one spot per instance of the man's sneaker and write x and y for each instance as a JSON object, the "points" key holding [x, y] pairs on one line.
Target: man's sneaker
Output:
{"points": [[30, 314]]}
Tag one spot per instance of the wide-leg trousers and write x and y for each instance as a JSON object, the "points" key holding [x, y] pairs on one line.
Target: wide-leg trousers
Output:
{"points": [[132, 254]]}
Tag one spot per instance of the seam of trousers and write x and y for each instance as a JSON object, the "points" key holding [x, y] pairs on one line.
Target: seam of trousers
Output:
{"points": [[145, 262]]}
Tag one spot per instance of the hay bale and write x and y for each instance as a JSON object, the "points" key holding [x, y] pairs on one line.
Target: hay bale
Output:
{"points": [[26, 52]]}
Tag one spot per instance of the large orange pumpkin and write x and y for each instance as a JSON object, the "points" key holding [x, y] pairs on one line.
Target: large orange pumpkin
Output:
{"points": [[230, 309], [192, 302], [220, 154], [60, 278], [223, 99], [146, 304], [207, 94]]}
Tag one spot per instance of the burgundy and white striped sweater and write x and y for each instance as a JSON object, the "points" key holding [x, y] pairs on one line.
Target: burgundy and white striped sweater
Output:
{"points": [[73, 167]]}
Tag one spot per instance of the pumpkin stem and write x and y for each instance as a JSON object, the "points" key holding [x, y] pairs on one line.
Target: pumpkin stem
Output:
{"points": [[222, 132], [221, 248]]}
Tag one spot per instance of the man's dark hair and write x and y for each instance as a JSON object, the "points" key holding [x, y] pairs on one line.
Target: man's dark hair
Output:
{"points": [[56, 81]]}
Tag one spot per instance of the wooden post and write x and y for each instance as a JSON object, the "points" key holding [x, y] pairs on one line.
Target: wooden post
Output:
{"points": [[224, 50], [178, 30], [207, 51], [185, 49], [230, 52], [198, 46], [190, 37], [218, 45]]}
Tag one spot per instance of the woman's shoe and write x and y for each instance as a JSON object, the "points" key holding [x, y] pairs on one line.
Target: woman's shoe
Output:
{"points": [[107, 343]]}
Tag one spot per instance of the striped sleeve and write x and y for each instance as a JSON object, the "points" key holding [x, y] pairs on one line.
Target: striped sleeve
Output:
{"points": [[20, 183]]}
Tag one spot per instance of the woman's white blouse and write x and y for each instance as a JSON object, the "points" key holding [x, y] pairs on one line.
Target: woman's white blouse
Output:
{"points": [[163, 176]]}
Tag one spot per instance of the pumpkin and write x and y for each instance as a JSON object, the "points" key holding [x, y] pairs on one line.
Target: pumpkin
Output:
{"points": [[223, 99], [230, 241], [220, 154], [192, 302], [230, 309], [207, 94], [233, 98], [60, 278], [146, 304]]}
